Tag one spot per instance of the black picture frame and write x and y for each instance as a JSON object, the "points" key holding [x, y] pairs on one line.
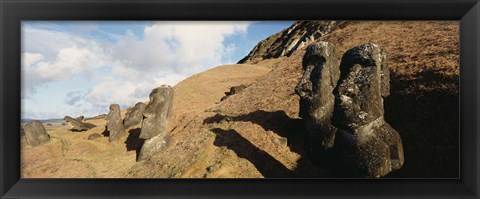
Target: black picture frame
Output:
{"points": [[12, 12]]}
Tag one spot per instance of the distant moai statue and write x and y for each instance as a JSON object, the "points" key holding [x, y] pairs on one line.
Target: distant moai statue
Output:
{"points": [[321, 73], [80, 118], [134, 115], [77, 124], [155, 122], [115, 123], [35, 133], [366, 144]]}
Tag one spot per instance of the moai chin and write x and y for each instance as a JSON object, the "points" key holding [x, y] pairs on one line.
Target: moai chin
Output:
{"points": [[321, 73], [115, 123], [366, 144], [155, 122]]}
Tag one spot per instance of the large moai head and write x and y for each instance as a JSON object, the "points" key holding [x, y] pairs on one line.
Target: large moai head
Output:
{"points": [[363, 83], [321, 73], [35, 133], [114, 123], [134, 115], [157, 112]]}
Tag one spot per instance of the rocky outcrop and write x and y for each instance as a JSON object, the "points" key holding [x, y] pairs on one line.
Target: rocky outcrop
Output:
{"points": [[233, 90], [154, 145], [35, 133], [78, 125], [80, 118], [365, 143], [300, 34], [134, 115], [94, 136], [115, 124], [321, 73], [154, 125]]}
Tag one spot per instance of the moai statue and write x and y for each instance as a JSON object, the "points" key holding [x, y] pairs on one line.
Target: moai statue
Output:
{"points": [[365, 143], [134, 115], [321, 73], [115, 123], [35, 133], [155, 122], [77, 124]]}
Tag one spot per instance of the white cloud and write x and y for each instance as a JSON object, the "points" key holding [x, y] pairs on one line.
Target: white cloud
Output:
{"points": [[30, 58], [167, 53]]}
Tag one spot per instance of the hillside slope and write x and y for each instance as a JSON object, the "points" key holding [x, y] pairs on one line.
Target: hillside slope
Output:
{"points": [[257, 133]]}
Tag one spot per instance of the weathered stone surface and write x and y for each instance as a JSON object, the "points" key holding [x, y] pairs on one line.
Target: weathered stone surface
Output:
{"points": [[286, 42], [115, 123], [157, 112], [94, 136], [233, 90], [35, 133], [154, 145], [366, 143], [321, 73], [134, 115], [78, 125], [80, 118]]}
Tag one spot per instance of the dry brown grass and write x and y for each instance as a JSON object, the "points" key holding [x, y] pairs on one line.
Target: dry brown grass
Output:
{"points": [[257, 132]]}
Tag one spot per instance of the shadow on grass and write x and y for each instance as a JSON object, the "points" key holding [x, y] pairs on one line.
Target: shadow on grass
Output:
{"points": [[277, 122], [134, 142]]}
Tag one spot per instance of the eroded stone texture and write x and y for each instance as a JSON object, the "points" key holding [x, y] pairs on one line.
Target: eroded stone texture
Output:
{"points": [[366, 143], [80, 118], [94, 136], [157, 112], [78, 125], [154, 125], [154, 145], [321, 73], [233, 90], [115, 123], [35, 133], [134, 115]]}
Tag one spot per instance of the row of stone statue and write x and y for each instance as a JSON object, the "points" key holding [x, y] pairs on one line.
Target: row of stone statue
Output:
{"points": [[153, 119], [341, 103]]}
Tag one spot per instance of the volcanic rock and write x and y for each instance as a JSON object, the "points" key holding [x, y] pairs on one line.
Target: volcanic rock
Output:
{"points": [[114, 123], [154, 125], [368, 145], [78, 125], [134, 115], [154, 145], [233, 90], [35, 133], [321, 73], [157, 112], [286, 42], [80, 118], [94, 136]]}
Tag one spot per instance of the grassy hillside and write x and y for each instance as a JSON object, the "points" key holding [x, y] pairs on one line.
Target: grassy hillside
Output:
{"points": [[257, 132]]}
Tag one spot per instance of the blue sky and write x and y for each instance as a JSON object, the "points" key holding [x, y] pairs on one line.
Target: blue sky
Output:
{"points": [[80, 68]]}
